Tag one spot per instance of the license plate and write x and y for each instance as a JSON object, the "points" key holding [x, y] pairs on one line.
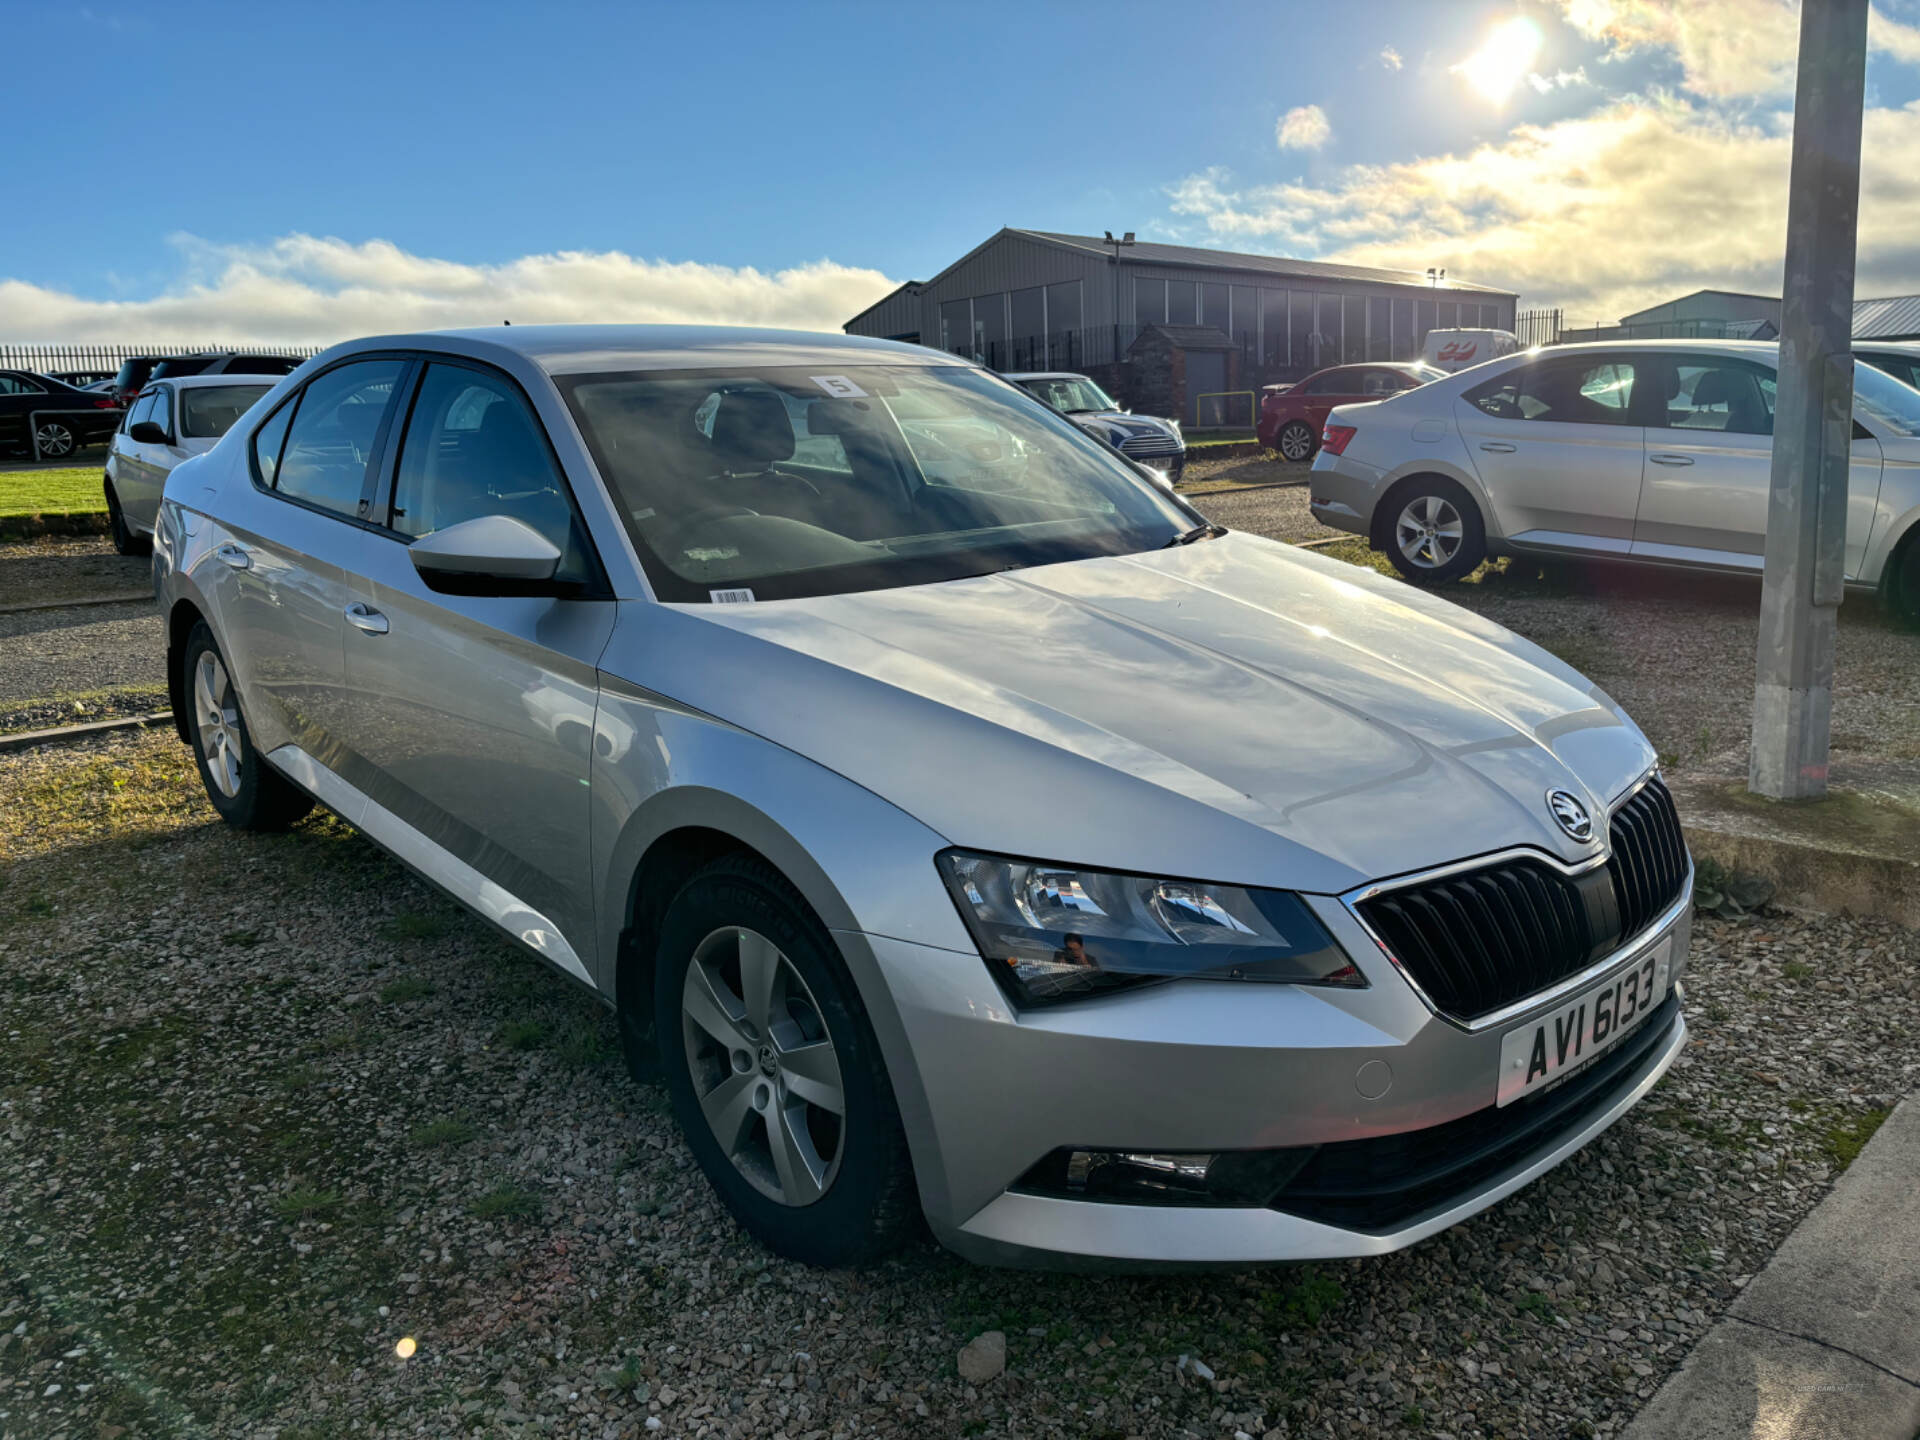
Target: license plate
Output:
{"points": [[1547, 1050]]}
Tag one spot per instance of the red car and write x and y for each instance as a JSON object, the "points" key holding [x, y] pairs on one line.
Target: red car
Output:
{"points": [[1291, 416]]}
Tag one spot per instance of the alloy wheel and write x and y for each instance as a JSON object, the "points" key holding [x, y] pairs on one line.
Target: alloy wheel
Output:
{"points": [[55, 439], [1296, 442], [763, 1064], [1429, 532], [217, 714]]}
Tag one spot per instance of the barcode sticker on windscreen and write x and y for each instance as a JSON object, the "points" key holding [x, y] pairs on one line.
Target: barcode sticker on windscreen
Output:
{"points": [[730, 597]]}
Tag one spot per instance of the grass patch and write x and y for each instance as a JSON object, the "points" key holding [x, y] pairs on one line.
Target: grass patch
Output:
{"points": [[51, 801], [1845, 1139], [507, 1202], [303, 1202], [1300, 1304], [584, 1043], [1797, 970], [522, 1034], [436, 1133], [69, 490], [407, 987]]}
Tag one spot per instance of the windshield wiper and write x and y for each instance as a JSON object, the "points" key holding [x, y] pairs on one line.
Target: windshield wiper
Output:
{"points": [[1199, 532]]}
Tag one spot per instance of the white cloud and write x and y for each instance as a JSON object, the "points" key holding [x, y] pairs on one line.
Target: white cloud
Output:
{"points": [[1304, 127], [1390, 58], [1630, 204], [1559, 80], [1726, 48], [304, 288]]}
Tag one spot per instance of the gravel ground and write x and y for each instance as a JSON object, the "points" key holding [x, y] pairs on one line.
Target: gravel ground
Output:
{"points": [[45, 654], [61, 567], [271, 1110]]}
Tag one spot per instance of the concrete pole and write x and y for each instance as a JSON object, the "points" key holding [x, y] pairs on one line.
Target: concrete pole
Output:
{"points": [[1813, 411]]}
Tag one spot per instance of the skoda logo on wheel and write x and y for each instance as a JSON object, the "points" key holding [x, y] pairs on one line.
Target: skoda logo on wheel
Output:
{"points": [[1570, 814]]}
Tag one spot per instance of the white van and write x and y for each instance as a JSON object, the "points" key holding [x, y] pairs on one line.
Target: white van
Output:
{"points": [[1457, 349]]}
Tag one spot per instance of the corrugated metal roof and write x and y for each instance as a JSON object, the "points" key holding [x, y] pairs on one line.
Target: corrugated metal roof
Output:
{"points": [[1887, 318], [1149, 252]]}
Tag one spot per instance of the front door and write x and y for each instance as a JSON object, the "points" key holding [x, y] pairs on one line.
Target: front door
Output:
{"points": [[1557, 453], [471, 716], [1206, 377]]}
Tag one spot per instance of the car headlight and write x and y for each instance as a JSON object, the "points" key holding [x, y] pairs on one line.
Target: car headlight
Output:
{"points": [[1174, 426], [1056, 932]]}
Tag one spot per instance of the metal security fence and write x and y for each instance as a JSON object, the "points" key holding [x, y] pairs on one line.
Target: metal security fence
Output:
{"points": [[105, 359], [1538, 327]]}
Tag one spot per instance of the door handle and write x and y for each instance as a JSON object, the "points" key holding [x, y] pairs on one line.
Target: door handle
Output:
{"points": [[367, 619], [235, 556], [1498, 447], [1671, 459]]}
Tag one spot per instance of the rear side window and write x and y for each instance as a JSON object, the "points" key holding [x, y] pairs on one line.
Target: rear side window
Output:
{"points": [[1570, 392], [1730, 398], [208, 411], [1335, 384], [267, 441], [329, 447], [1383, 382], [472, 448]]}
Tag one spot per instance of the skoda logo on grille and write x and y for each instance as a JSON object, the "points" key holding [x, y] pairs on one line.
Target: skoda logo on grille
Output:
{"points": [[1570, 815]]}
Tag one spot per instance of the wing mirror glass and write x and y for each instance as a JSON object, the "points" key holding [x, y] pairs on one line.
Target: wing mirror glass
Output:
{"points": [[489, 555], [145, 432]]}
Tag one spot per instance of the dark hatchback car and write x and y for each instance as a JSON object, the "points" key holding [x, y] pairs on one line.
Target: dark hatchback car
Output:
{"points": [[62, 417], [138, 371]]}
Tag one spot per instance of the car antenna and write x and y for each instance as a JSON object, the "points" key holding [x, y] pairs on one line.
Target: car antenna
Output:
{"points": [[506, 322]]}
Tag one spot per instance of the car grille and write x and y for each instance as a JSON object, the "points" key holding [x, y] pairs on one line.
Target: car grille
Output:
{"points": [[1383, 1182], [1479, 940], [1140, 446]]}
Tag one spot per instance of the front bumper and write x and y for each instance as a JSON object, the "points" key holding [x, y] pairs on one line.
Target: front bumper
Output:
{"points": [[1211, 1066]]}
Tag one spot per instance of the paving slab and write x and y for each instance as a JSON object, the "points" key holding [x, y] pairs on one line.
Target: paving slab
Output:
{"points": [[1823, 1344]]}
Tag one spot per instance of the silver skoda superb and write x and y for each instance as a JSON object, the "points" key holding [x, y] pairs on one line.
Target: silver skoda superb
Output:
{"points": [[954, 820]]}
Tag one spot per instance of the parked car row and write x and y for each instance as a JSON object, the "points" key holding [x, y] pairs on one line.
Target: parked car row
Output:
{"points": [[923, 829], [58, 417], [1654, 452]]}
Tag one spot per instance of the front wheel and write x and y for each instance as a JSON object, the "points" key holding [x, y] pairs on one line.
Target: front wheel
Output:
{"points": [[56, 440], [1903, 583], [248, 793], [774, 1072], [1296, 441], [1434, 532]]}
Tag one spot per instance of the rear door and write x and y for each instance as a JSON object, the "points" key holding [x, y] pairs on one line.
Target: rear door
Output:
{"points": [[1559, 452], [19, 397], [296, 541], [471, 715]]}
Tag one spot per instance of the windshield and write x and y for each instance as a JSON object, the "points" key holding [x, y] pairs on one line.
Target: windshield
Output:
{"points": [[208, 411], [1885, 401], [769, 484], [1071, 394]]}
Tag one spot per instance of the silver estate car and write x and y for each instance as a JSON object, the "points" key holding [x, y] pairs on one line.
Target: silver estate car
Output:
{"points": [[1018, 849], [1656, 451], [169, 421]]}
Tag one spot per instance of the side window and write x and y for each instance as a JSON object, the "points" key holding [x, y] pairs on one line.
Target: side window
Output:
{"points": [[267, 441], [162, 404], [1728, 398], [1577, 392], [139, 412], [18, 385], [330, 443], [1324, 385], [472, 448], [1381, 382]]}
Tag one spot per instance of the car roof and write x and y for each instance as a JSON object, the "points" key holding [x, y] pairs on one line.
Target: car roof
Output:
{"points": [[224, 378], [584, 349], [1727, 347]]}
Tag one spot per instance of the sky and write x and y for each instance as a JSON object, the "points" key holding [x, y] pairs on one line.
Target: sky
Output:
{"points": [[214, 172]]}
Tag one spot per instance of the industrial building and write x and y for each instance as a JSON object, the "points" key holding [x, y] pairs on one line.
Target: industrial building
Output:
{"points": [[1221, 323]]}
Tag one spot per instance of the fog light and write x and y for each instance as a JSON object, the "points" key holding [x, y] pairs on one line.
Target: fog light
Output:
{"points": [[1150, 1177]]}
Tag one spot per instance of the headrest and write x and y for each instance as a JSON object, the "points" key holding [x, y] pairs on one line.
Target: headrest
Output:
{"points": [[507, 440], [751, 426], [1716, 387]]}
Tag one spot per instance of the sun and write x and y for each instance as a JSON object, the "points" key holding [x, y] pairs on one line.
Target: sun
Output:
{"points": [[1504, 60]]}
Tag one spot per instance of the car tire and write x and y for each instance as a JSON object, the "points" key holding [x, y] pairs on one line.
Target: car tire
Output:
{"points": [[1903, 583], [754, 1097], [1296, 441], [248, 793], [126, 540], [1432, 531], [56, 439]]}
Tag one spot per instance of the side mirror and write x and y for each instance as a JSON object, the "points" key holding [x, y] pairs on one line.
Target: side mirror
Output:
{"points": [[488, 555], [147, 433]]}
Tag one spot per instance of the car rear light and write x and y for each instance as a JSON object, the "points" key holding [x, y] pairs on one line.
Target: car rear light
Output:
{"points": [[105, 404], [1334, 438]]}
